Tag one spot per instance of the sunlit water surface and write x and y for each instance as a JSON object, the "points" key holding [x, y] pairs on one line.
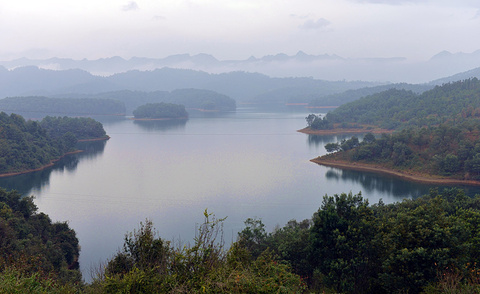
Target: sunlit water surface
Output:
{"points": [[237, 165]]}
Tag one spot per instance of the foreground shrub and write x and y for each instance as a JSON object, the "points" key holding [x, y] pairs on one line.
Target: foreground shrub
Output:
{"points": [[148, 264]]}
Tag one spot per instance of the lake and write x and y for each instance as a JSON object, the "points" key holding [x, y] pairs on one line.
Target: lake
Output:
{"points": [[245, 164]]}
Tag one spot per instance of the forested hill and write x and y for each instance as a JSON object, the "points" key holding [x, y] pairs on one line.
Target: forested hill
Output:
{"points": [[160, 111], [28, 145], [190, 98], [241, 86], [438, 132], [392, 109], [444, 151], [354, 94], [40, 106]]}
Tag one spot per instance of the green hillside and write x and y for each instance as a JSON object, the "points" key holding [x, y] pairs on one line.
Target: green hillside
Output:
{"points": [[393, 109], [437, 133], [27, 145]]}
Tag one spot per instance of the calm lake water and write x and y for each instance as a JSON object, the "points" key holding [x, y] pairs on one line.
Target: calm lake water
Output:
{"points": [[248, 163]]}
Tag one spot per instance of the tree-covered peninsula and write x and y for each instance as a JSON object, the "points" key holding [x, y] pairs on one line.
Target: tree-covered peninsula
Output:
{"points": [[441, 153], [30, 145], [437, 133], [160, 111], [83, 128]]}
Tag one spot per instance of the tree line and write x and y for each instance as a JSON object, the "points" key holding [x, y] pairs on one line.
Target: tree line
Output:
{"points": [[444, 150], [27, 145], [36, 254], [394, 109], [425, 245], [160, 110]]}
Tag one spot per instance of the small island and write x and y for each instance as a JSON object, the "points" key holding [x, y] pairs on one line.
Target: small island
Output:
{"points": [[160, 111]]}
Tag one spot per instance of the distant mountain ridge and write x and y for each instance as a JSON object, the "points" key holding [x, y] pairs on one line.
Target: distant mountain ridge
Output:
{"points": [[118, 64], [241, 86], [323, 66]]}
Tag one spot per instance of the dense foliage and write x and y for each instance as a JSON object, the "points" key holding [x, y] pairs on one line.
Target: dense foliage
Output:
{"points": [[444, 150], [160, 110], [148, 264], [317, 122], [350, 246], [40, 106], [36, 254], [451, 103], [27, 145], [425, 245], [81, 127]]}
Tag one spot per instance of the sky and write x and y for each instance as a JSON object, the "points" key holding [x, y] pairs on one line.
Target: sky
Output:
{"points": [[237, 29]]}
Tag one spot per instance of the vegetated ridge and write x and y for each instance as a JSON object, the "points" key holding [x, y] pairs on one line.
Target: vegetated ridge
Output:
{"points": [[437, 133], [31, 145], [190, 98], [241, 86], [318, 100]]}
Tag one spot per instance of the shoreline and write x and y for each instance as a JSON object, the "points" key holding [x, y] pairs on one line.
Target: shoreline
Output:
{"points": [[95, 139], [53, 161], [336, 131], [421, 178]]}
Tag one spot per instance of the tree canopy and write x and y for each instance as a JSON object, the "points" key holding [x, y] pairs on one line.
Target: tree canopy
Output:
{"points": [[27, 145], [31, 244], [160, 110], [454, 103]]}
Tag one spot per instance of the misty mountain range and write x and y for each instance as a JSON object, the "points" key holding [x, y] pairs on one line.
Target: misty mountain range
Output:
{"points": [[24, 77], [326, 67], [241, 86]]}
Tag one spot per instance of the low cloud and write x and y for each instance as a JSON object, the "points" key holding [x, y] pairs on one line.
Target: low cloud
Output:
{"points": [[130, 6], [315, 24]]}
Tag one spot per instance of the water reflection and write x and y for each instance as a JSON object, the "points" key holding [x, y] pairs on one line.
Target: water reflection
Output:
{"points": [[374, 182], [319, 140], [108, 119], [161, 125], [91, 149], [36, 181]]}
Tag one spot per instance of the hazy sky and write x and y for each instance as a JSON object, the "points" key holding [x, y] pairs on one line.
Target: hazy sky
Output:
{"points": [[237, 29]]}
